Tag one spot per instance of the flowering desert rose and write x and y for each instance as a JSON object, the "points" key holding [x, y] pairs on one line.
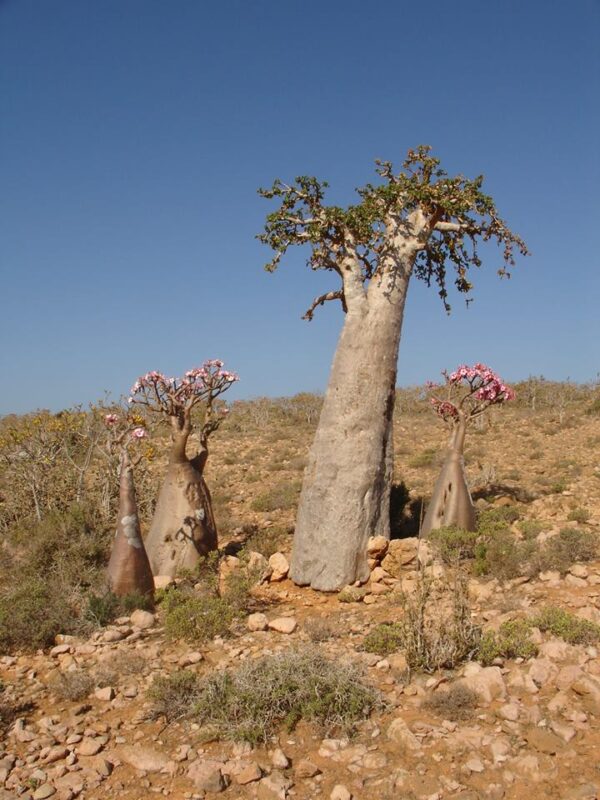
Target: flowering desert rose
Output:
{"points": [[183, 528], [468, 392]]}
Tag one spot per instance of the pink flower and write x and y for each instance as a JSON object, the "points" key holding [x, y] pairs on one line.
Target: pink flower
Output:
{"points": [[111, 419], [139, 433]]}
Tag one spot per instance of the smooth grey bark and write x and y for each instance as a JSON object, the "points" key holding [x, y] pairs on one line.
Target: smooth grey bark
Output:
{"points": [[183, 528], [347, 482], [451, 502]]}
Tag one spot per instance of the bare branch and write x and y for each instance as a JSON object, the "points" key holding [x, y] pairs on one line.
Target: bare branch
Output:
{"points": [[322, 299]]}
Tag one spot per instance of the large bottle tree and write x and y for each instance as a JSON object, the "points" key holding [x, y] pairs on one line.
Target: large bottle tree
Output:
{"points": [[418, 221]]}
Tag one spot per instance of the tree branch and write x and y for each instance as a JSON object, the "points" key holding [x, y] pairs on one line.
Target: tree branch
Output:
{"points": [[322, 299]]}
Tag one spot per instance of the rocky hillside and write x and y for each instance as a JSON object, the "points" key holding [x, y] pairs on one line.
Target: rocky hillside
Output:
{"points": [[467, 667]]}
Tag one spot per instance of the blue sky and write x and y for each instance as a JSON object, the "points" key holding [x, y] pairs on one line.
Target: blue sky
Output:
{"points": [[134, 134]]}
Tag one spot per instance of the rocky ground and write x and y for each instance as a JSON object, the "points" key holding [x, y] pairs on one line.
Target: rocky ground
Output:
{"points": [[535, 727]]}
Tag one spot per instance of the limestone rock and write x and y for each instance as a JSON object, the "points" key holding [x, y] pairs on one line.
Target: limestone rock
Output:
{"points": [[142, 619], [258, 622], [279, 567], [283, 624], [143, 758], [207, 776]]}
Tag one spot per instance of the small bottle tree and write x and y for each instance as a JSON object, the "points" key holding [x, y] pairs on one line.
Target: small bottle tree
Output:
{"points": [[183, 528], [128, 569], [469, 391]]}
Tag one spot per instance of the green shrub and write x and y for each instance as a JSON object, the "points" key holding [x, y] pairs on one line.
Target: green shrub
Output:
{"points": [[32, 613], [503, 556], [385, 638], [279, 498], [175, 695], [512, 640], [580, 515], [568, 547], [458, 702], [102, 609], [493, 520], [195, 618], [561, 623], [251, 702], [530, 528], [454, 544]]}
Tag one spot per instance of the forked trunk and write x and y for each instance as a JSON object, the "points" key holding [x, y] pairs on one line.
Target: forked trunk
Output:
{"points": [[451, 503], [346, 489], [183, 528], [128, 569]]}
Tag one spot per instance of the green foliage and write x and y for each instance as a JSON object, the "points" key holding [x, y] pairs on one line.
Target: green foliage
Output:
{"points": [[195, 618], [580, 515], [278, 498], [454, 544], [564, 625], [458, 702], [503, 556], [102, 609], [568, 547], [303, 218], [530, 528], [32, 612], [492, 520], [512, 640], [251, 702], [384, 639]]}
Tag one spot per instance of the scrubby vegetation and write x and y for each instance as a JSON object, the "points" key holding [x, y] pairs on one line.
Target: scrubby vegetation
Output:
{"points": [[458, 702], [567, 626], [385, 638], [251, 702], [511, 640]]}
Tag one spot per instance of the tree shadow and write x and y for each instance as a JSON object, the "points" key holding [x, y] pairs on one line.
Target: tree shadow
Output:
{"points": [[405, 514], [493, 490]]}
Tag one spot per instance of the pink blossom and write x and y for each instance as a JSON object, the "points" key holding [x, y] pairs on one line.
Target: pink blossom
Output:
{"points": [[139, 433], [111, 419]]}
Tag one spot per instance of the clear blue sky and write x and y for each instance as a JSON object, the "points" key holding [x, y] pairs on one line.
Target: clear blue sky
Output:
{"points": [[134, 134]]}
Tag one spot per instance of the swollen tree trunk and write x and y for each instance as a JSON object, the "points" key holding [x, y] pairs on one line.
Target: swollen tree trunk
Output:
{"points": [[451, 503], [183, 528], [128, 570], [346, 489]]}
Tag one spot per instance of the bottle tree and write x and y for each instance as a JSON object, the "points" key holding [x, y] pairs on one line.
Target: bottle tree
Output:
{"points": [[419, 221], [128, 570], [469, 392], [183, 528]]}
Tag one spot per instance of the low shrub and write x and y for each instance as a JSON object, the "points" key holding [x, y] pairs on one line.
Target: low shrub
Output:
{"points": [[267, 541], [437, 632], [75, 685], [458, 702], [32, 612], [566, 548], [384, 639], [319, 629], [174, 696], [121, 664], [511, 640], [454, 544], [251, 702], [194, 617], [564, 625], [580, 515], [503, 556], [492, 520]]}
